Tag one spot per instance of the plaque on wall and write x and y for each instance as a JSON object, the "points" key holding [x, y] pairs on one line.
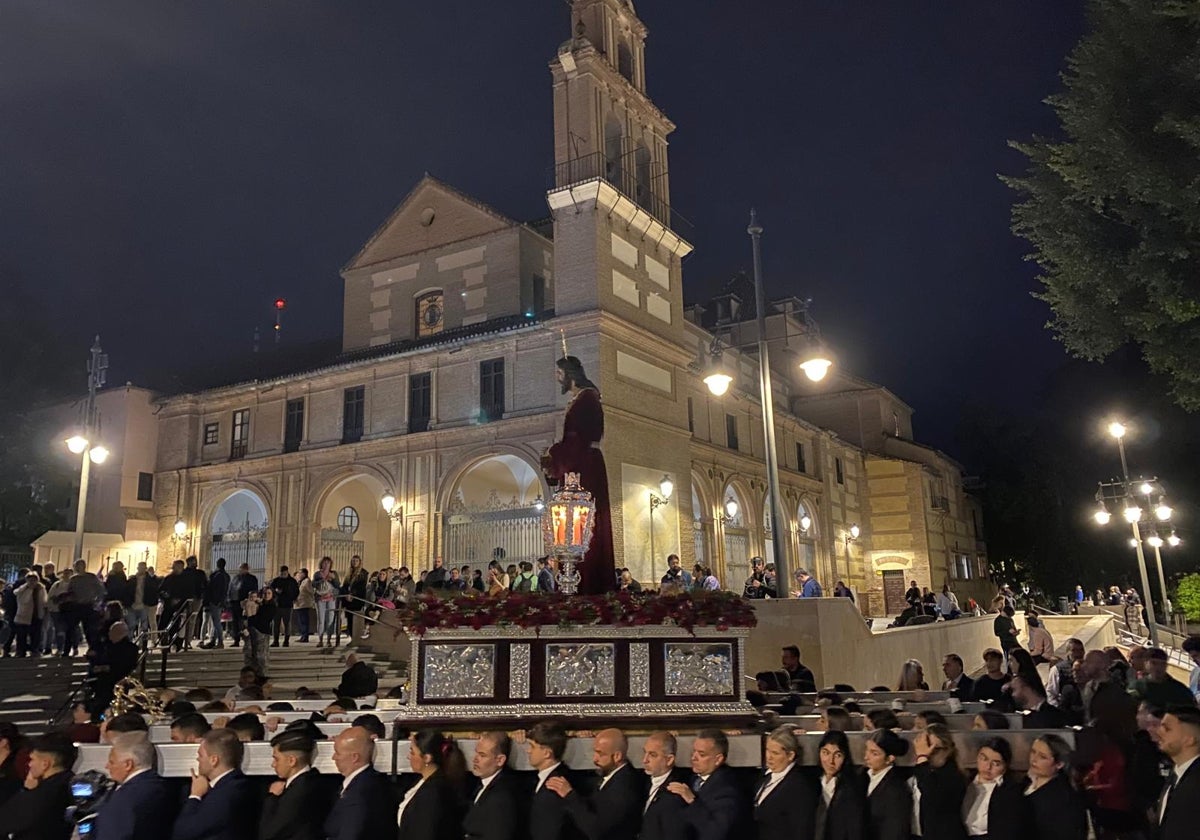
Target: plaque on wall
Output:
{"points": [[698, 669], [455, 672], [580, 670]]}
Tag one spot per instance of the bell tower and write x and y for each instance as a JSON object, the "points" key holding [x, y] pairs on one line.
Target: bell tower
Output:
{"points": [[616, 243]]}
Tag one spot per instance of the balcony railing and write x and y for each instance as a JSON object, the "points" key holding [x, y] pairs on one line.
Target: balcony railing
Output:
{"points": [[640, 180], [237, 450]]}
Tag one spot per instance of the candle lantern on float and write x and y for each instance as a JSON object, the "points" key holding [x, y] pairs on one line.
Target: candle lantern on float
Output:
{"points": [[567, 524]]}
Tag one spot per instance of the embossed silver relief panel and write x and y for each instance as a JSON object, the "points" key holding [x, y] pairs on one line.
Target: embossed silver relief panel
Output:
{"points": [[639, 670], [459, 671], [518, 671], [698, 668], [580, 670]]}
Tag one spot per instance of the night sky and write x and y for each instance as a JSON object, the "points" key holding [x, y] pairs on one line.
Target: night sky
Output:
{"points": [[167, 169]]}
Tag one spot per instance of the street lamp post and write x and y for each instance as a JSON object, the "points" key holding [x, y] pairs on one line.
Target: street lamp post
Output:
{"points": [[782, 564], [1118, 430], [84, 442], [815, 363]]}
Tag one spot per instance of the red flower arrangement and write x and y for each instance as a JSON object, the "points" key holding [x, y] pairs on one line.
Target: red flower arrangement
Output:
{"points": [[721, 610]]}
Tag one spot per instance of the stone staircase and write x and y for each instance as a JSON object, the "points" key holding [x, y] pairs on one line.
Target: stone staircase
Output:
{"points": [[31, 690]]}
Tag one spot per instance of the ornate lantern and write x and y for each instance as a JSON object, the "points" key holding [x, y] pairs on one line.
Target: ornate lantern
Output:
{"points": [[567, 524]]}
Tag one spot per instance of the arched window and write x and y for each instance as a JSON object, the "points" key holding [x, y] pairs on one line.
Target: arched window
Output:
{"points": [[430, 313]]}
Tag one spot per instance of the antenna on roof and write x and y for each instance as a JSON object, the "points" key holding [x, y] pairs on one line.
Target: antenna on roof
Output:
{"points": [[256, 339], [280, 305]]}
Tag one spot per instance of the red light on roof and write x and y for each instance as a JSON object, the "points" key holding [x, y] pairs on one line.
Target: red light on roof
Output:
{"points": [[280, 303]]}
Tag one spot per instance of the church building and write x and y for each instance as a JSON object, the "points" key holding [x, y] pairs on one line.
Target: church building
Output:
{"points": [[443, 397]]}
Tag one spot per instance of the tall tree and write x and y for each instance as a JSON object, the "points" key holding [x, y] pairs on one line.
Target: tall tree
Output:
{"points": [[34, 490], [1113, 208]]}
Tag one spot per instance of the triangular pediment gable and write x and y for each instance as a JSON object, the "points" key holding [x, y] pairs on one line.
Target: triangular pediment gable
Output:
{"points": [[433, 214]]}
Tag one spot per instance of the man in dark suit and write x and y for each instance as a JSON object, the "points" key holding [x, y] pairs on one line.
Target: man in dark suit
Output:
{"points": [[299, 793], [716, 804], [957, 682], [366, 808], [662, 811], [614, 810], [1029, 695], [222, 804], [497, 810], [143, 805], [39, 810], [1178, 809], [548, 819], [358, 680]]}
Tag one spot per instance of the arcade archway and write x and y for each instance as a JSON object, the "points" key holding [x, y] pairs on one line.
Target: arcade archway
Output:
{"points": [[494, 511]]}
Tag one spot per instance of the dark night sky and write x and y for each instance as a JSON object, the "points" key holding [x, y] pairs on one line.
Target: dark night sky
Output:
{"points": [[167, 169]]}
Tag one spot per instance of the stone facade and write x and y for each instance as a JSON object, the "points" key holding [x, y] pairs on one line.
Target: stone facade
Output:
{"points": [[445, 398]]}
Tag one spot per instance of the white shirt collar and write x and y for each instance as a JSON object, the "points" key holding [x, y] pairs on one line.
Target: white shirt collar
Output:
{"points": [[130, 777], [775, 777], [487, 781], [659, 781], [213, 782], [545, 774], [874, 778], [346, 782], [1180, 769], [295, 776], [605, 780]]}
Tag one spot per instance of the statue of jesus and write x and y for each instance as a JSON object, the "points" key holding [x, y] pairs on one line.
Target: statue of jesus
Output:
{"points": [[579, 452]]}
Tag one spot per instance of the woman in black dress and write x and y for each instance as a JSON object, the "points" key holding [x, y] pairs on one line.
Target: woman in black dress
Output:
{"points": [[842, 803], [938, 786], [991, 806], [1053, 808], [889, 800], [785, 804], [432, 808]]}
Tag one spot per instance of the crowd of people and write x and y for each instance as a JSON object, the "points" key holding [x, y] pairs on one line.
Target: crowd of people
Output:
{"points": [[1151, 791]]}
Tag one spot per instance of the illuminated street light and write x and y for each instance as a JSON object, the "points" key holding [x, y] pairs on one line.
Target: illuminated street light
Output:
{"points": [[180, 528], [1155, 541], [805, 523], [731, 508], [1162, 512], [1102, 516], [1116, 429], [77, 443], [1132, 514], [1173, 540], [1146, 488], [98, 454]]}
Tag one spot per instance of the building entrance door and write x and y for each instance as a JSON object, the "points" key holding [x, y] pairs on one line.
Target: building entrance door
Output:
{"points": [[893, 592]]}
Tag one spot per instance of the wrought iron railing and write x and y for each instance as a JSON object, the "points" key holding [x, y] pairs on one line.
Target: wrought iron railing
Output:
{"points": [[639, 179]]}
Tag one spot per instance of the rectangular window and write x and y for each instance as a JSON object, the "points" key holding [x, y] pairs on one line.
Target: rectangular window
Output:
{"points": [[801, 464], [491, 389], [212, 433], [293, 427], [691, 417], [354, 412], [838, 472], [731, 437], [533, 296], [145, 487], [420, 401], [240, 441]]}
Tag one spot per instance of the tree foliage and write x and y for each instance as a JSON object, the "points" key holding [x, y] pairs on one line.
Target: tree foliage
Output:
{"points": [[1113, 208], [33, 489], [1187, 597]]}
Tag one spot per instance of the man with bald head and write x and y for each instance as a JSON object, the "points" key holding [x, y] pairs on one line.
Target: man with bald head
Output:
{"points": [[366, 807], [614, 810]]}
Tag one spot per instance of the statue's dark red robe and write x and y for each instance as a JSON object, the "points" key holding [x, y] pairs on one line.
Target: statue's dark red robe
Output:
{"points": [[579, 452]]}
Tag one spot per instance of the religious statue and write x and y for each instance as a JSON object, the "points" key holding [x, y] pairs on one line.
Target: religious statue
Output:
{"points": [[579, 452]]}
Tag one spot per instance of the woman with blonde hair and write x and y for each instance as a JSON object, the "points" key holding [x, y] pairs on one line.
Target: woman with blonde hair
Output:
{"points": [[912, 676], [785, 805]]}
